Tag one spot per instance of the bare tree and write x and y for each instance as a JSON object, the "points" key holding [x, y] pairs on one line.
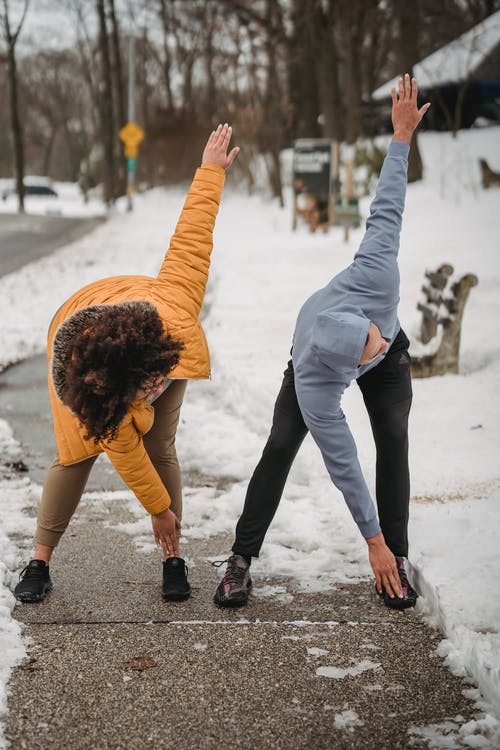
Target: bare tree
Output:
{"points": [[106, 107], [166, 20], [302, 60], [117, 67], [11, 37], [327, 70], [272, 124]]}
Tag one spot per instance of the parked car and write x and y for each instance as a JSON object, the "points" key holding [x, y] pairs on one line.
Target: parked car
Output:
{"points": [[32, 186]]}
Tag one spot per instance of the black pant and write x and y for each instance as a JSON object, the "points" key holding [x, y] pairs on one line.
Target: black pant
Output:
{"points": [[387, 394]]}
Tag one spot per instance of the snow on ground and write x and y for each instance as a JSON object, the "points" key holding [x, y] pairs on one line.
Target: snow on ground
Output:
{"points": [[261, 274], [15, 495]]}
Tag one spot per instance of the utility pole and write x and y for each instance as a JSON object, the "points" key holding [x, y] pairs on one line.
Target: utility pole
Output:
{"points": [[131, 134], [131, 118]]}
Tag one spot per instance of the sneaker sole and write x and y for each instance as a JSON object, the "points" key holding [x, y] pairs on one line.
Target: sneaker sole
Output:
{"points": [[395, 603], [33, 598], [230, 603], [399, 603], [176, 597]]}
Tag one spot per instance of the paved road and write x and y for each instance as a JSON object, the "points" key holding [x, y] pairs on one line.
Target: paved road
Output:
{"points": [[295, 671], [26, 238]]}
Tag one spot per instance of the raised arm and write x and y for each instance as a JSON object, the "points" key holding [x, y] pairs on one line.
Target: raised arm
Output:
{"points": [[184, 272], [380, 245]]}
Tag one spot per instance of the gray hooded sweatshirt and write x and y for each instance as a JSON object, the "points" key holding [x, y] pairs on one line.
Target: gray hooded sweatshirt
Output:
{"points": [[331, 332]]}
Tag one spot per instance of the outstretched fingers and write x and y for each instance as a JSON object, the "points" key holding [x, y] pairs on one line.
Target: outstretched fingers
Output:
{"points": [[414, 90], [232, 156], [220, 134], [407, 86], [226, 135], [423, 109]]}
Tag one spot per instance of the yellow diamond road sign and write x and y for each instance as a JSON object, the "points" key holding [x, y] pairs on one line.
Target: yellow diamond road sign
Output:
{"points": [[131, 134]]}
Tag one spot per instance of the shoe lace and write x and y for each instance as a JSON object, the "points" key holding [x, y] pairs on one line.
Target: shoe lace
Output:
{"points": [[218, 563], [234, 575], [28, 572]]}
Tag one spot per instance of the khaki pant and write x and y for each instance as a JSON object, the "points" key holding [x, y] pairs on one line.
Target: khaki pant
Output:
{"points": [[64, 485]]}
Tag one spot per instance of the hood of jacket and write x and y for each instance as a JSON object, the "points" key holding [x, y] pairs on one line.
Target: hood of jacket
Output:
{"points": [[339, 338]]}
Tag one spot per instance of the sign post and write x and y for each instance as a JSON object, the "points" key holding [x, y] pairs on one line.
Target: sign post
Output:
{"points": [[131, 134], [346, 210]]}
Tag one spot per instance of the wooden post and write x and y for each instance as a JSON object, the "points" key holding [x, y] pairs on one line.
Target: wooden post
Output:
{"points": [[445, 309]]}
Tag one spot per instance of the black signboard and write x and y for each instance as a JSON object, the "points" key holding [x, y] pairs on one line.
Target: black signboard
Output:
{"points": [[312, 167], [312, 182]]}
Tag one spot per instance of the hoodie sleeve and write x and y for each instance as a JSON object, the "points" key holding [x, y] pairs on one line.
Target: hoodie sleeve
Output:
{"points": [[183, 275], [380, 245], [128, 455], [327, 425]]}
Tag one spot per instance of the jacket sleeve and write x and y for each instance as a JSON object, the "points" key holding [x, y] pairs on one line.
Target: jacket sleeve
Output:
{"points": [[380, 245], [184, 272], [327, 425], [131, 460]]}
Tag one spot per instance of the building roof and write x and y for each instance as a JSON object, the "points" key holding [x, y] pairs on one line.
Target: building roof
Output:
{"points": [[456, 61]]}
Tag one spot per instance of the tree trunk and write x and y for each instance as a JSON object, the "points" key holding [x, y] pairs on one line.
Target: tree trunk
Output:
{"points": [[408, 15], [303, 89], [209, 54], [120, 93], [47, 154], [119, 83], [271, 125], [167, 61], [17, 133], [355, 25], [15, 119], [330, 97], [106, 108]]}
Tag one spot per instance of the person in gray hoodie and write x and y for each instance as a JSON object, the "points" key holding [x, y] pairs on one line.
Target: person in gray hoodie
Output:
{"points": [[348, 330]]}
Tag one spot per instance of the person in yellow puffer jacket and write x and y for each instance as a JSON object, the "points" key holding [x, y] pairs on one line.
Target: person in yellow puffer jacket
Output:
{"points": [[120, 352]]}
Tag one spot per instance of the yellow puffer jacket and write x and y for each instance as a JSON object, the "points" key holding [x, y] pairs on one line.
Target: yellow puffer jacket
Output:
{"points": [[177, 294]]}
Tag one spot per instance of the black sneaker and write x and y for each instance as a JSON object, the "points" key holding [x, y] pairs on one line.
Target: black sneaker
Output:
{"points": [[34, 583], [235, 587], [175, 583], [409, 598]]}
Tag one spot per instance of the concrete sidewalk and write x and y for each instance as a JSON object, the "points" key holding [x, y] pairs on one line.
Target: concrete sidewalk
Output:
{"points": [[112, 666]]}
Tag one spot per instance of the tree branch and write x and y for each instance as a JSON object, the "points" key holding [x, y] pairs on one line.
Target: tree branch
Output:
{"points": [[13, 37]]}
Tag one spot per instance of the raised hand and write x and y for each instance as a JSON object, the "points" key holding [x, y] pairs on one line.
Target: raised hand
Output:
{"points": [[405, 114], [216, 149]]}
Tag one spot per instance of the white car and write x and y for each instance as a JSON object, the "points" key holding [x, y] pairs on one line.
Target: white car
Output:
{"points": [[32, 186]]}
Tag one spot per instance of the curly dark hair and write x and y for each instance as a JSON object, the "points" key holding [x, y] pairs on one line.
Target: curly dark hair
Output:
{"points": [[103, 355]]}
